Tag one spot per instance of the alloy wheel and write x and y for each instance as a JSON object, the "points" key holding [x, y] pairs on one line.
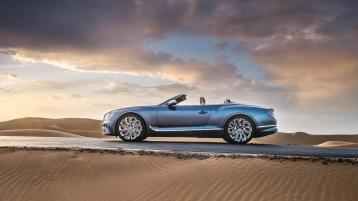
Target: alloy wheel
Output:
{"points": [[239, 130], [130, 128]]}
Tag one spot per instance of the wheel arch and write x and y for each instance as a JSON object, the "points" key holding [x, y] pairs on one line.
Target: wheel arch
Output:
{"points": [[250, 117]]}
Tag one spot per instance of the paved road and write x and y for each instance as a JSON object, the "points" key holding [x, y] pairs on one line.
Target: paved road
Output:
{"points": [[181, 147]]}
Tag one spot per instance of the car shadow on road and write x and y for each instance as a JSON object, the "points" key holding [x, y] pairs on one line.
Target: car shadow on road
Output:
{"points": [[191, 143]]}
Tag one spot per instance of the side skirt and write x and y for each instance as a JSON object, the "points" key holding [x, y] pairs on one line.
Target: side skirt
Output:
{"points": [[200, 132], [184, 129]]}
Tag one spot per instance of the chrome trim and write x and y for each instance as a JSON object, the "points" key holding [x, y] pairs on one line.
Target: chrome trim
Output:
{"points": [[178, 129], [266, 126]]}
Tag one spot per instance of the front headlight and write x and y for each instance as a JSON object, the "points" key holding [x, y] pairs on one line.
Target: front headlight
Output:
{"points": [[271, 112]]}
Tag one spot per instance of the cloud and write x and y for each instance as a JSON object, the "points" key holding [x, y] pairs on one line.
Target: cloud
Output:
{"points": [[317, 62], [109, 36], [47, 85], [174, 88], [90, 24], [7, 80], [116, 87], [97, 24], [307, 50], [7, 76], [215, 75], [3, 89], [26, 85], [76, 96]]}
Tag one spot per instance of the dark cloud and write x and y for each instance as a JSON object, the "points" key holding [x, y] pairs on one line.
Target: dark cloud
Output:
{"points": [[85, 24], [60, 24], [93, 23]]}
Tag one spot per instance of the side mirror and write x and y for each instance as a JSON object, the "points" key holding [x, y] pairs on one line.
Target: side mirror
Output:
{"points": [[202, 101], [172, 104]]}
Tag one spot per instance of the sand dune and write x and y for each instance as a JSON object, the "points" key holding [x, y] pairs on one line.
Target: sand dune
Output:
{"points": [[95, 176], [304, 138], [71, 126], [338, 144], [76, 127], [36, 132]]}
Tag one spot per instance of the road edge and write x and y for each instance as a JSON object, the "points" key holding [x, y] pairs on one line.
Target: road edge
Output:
{"points": [[186, 155]]}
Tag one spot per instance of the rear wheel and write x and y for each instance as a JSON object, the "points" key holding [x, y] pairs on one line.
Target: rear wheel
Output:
{"points": [[131, 128], [239, 129]]}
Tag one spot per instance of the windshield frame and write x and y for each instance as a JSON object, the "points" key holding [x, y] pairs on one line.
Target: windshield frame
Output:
{"points": [[179, 98]]}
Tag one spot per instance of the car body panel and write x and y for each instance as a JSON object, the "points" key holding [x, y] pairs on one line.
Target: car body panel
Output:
{"points": [[197, 119], [183, 116]]}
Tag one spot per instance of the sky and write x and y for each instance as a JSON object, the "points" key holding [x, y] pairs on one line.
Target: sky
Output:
{"points": [[83, 58]]}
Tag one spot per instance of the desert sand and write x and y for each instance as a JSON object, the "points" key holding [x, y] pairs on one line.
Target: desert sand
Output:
{"points": [[37, 126], [73, 175], [80, 127], [36, 132]]}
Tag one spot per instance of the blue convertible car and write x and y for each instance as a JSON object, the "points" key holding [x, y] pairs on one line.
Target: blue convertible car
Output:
{"points": [[236, 123]]}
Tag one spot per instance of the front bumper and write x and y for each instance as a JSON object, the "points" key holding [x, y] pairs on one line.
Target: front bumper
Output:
{"points": [[107, 129]]}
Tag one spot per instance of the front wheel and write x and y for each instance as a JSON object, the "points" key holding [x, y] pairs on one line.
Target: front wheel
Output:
{"points": [[238, 129], [131, 128]]}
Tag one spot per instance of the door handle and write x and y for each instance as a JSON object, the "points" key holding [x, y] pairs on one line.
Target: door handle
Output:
{"points": [[202, 112]]}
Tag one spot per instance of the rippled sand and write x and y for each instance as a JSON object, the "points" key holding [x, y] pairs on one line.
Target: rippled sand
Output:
{"points": [[70, 175]]}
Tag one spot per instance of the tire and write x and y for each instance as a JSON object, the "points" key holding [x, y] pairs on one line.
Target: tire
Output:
{"points": [[131, 128], [239, 130]]}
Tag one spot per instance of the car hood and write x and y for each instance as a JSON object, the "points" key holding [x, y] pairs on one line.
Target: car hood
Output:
{"points": [[134, 108]]}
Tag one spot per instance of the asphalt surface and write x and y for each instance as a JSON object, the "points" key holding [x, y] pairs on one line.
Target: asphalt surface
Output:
{"points": [[180, 147]]}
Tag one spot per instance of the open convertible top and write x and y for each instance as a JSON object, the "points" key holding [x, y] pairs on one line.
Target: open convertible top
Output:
{"points": [[182, 97]]}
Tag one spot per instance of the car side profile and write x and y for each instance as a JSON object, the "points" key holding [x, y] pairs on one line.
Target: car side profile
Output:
{"points": [[235, 123]]}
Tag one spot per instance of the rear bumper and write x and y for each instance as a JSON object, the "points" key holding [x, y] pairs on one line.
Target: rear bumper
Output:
{"points": [[265, 130]]}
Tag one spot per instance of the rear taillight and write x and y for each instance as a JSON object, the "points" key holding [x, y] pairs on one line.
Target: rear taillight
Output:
{"points": [[271, 112]]}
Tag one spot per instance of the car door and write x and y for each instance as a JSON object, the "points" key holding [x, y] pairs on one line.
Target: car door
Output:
{"points": [[183, 116]]}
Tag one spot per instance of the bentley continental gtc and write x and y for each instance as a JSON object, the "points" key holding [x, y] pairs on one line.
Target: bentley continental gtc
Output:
{"points": [[235, 123]]}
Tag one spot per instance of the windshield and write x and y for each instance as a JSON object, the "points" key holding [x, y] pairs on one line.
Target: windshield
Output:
{"points": [[178, 98]]}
